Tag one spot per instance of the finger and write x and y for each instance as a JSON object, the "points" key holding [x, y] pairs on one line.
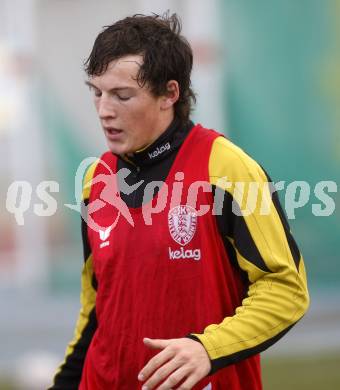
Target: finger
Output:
{"points": [[154, 363], [156, 343], [190, 382], [162, 373], [175, 378]]}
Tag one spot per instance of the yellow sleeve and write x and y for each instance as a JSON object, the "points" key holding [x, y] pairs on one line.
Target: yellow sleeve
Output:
{"points": [[68, 374], [264, 248]]}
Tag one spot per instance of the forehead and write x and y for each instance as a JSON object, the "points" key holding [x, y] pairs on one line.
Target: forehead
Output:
{"points": [[120, 73]]}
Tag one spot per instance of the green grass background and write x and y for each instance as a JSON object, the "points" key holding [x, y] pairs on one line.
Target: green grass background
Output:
{"points": [[304, 373]]}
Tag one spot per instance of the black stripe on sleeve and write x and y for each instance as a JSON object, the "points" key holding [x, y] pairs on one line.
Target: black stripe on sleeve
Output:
{"points": [[217, 364], [233, 225], [290, 239], [69, 376], [94, 282], [86, 244]]}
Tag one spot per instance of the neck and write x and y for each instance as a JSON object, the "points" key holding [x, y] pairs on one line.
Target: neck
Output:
{"points": [[164, 145]]}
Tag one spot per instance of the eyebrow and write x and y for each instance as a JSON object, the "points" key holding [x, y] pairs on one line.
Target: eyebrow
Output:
{"points": [[88, 83]]}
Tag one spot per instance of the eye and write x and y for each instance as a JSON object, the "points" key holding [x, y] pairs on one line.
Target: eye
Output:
{"points": [[97, 93], [123, 98]]}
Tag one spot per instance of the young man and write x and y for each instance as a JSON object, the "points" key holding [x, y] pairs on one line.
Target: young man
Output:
{"points": [[188, 296]]}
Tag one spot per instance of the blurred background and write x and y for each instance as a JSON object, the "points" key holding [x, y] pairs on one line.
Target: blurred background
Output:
{"points": [[267, 74]]}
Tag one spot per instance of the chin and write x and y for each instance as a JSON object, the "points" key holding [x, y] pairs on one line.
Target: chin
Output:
{"points": [[117, 149]]}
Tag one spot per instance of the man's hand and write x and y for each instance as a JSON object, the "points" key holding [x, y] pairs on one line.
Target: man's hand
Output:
{"points": [[179, 359]]}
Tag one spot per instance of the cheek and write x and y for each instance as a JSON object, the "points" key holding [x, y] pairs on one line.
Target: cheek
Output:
{"points": [[140, 120], [139, 111]]}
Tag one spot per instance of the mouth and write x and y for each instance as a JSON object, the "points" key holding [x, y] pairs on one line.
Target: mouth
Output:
{"points": [[112, 132]]}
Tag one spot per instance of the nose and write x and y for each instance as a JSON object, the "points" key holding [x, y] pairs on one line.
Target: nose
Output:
{"points": [[105, 108]]}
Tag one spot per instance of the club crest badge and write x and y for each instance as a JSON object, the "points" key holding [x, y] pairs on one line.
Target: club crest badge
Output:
{"points": [[182, 222]]}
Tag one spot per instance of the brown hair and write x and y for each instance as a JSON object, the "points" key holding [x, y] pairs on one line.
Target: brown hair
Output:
{"points": [[167, 54]]}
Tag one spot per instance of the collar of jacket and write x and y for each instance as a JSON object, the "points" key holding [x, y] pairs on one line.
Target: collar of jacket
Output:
{"points": [[169, 141]]}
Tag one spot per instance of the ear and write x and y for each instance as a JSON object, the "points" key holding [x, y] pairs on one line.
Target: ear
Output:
{"points": [[171, 96]]}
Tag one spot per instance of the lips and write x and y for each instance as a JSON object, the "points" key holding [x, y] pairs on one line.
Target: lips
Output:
{"points": [[112, 132]]}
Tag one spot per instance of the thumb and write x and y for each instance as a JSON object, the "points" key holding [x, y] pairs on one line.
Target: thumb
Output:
{"points": [[156, 343]]}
